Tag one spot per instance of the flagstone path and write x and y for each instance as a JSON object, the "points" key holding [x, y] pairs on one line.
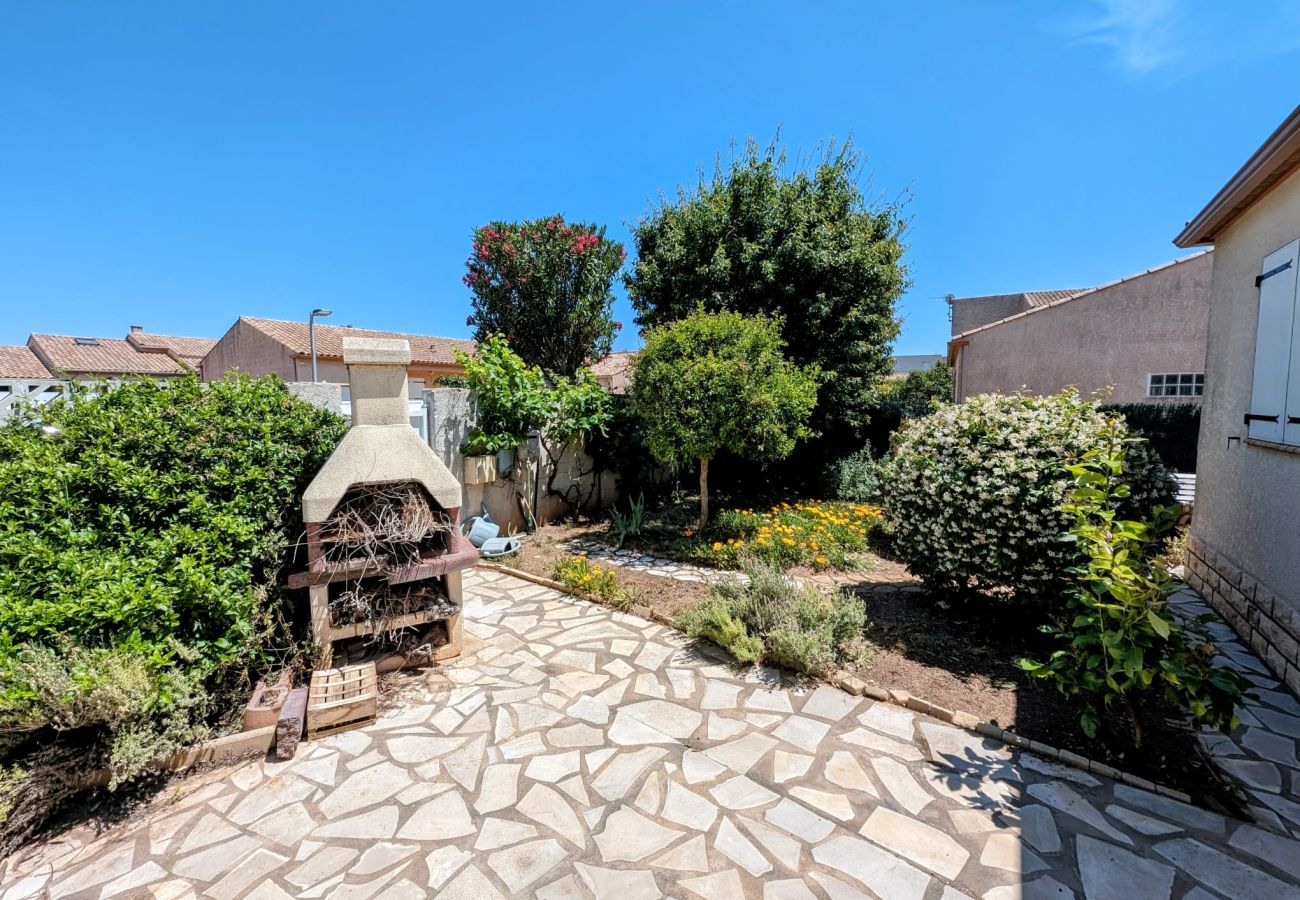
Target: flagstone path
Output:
{"points": [[578, 752]]}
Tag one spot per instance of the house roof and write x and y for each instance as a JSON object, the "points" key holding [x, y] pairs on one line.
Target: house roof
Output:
{"points": [[190, 349], [1070, 297], [425, 349], [1033, 298], [1275, 159], [21, 362], [613, 363], [99, 356]]}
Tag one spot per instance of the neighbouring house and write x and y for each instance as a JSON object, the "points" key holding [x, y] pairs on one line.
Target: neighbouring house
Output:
{"points": [[275, 347], [1142, 338], [1244, 547], [92, 358], [969, 313], [21, 362], [906, 365], [614, 372]]}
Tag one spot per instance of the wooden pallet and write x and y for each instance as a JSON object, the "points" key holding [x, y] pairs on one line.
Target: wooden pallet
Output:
{"points": [[342, 699]]}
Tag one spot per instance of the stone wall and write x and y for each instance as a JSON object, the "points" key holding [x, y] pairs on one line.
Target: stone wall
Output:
{"points": [[1264, 620]]}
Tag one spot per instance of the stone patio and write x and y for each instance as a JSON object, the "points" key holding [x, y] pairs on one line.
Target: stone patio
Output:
{"points": [[577, 752]]}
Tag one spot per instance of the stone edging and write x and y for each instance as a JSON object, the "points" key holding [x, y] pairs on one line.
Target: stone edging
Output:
{"points": [[856, 686]]}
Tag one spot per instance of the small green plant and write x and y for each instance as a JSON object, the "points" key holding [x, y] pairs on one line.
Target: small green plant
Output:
{"points": [[774, 620], [1121, 641], [854, 478], [630, 525], [580, 574], [10, 778], [480, 443]]}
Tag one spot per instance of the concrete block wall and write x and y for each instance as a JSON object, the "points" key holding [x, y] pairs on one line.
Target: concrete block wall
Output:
{"points": [[1264, 620]]}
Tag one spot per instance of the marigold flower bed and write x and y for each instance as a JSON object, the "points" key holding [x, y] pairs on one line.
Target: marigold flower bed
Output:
{"points": [[808, 533]]}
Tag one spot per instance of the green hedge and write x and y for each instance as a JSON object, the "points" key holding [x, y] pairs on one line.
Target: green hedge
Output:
{"points": [[140, 556], [1171, 429]]}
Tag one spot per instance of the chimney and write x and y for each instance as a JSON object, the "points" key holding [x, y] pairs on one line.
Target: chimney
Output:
{"points": [[377, 375], [137, 329]]}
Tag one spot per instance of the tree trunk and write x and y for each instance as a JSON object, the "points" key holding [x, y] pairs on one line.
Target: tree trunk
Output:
{"points": [[704, 492]]}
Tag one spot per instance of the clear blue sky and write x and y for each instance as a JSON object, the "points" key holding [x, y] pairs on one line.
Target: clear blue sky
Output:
{"points": [[176, 165]]}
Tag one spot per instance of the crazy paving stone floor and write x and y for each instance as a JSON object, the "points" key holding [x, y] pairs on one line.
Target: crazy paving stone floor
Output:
{"points": [[576, 752]]}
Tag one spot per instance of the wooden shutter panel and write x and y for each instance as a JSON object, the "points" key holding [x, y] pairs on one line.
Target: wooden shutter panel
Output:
{"points": [[1277, 291]]}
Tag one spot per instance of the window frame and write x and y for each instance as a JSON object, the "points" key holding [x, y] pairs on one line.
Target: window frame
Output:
{"points": [[1185, 385]]}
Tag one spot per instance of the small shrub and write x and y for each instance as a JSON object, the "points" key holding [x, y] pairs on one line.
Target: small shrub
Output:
{"points": [[808, 533], [855, 478], [630, 525], [773, 620], [580, 574], [1120, 640], [975, 492]]}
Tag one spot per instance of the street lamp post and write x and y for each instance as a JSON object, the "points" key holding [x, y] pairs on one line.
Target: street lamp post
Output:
{"points": [[311, 336]]}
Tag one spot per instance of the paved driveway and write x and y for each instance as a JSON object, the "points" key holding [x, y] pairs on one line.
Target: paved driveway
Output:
{"points": [[574, 752]]}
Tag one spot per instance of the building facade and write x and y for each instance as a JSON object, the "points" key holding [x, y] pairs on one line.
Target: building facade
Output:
{"points": [[1139, 339], [1244, 547], [275, 347]]}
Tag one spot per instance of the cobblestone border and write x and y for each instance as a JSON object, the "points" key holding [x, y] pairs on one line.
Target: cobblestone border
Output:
{"points": [[859, 688]]}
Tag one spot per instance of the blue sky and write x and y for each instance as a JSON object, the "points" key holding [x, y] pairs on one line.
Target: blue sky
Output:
{"points": [[176, 165]]}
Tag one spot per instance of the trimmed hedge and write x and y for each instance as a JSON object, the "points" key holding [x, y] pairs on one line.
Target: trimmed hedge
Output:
{"points": [[1171, 429]]}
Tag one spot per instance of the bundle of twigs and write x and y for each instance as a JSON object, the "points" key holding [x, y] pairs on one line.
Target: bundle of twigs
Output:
{"points": [[390, 523], [378, 602]]}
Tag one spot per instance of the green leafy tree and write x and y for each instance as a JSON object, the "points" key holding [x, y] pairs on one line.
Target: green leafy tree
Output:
{"points": [[805, 247], [720, 381], [516, 399], [547, 285]]}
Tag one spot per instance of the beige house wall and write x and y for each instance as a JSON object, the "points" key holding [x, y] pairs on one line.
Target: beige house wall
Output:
{"points": [[1247, 495], [249, 350], [971, 312], [1114, 338]]}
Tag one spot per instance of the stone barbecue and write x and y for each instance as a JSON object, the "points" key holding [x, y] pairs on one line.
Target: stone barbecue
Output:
{"points": [[383, 546]]}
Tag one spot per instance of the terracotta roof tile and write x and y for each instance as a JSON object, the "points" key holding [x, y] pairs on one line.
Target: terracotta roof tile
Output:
{"points": [[21, 362], [190, 349], [613, 364], [106, 356], [425, 349]]}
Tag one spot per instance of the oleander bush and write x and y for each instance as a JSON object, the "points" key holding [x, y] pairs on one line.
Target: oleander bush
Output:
{"points": [[976, 492], [774, 620], [141, 548]]}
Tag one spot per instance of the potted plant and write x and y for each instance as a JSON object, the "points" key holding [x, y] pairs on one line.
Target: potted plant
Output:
{"points": [[480, 451]]}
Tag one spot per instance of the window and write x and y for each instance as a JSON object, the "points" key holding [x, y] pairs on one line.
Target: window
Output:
{"points": [[1180, 385], [1274, 413]]}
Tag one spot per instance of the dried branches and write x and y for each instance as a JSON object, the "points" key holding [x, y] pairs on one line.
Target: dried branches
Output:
{"points": [[390, 524]]}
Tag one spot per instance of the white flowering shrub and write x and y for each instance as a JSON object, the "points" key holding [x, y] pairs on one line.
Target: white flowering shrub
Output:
{"points": [[974, 492]]}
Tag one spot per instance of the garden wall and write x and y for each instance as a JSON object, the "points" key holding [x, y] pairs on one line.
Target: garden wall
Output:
{"points": [[452, 414], [1263, 619]]}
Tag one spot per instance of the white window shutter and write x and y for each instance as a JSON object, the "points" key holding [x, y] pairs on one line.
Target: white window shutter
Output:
{"points": [[1277, 294]]}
